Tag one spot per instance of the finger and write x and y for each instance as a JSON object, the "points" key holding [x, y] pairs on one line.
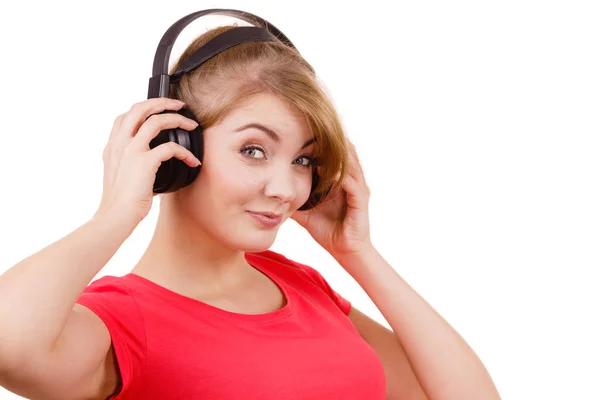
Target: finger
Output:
{"points": [[116, 126], [168, 150], [352, 189], [156, 123], [355, 169], [140, 112], [354, 154]]}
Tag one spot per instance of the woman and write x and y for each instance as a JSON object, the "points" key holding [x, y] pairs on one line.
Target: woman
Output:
{"points": [[209, 311]]}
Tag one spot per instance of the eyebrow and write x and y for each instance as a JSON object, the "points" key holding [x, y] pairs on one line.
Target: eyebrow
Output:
{"points": [[270, 133]]}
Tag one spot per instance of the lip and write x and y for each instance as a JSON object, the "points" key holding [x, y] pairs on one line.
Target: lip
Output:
{"points": [[268, 219]]}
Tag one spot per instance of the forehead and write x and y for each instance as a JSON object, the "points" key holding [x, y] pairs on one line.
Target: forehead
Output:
{"points": [[268, 109]]}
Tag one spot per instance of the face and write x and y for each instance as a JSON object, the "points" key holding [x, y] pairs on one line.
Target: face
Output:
{"points": [[246, 170]]}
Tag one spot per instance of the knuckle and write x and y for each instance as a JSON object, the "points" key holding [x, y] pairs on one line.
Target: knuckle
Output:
{"points": [[163, 147], [108, 150], [135, 107], [153, 122], [151, 119], [127, 118], [174, 147], [118, 120]]}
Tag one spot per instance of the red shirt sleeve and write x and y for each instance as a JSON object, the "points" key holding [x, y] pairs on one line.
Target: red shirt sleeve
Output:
{"points": [[337, 298], [111, 300]]}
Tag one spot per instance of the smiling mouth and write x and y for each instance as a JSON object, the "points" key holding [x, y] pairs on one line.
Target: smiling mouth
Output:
{"points": [[268, 220]]}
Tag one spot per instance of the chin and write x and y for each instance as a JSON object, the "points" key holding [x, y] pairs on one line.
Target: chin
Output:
{"points": [[253, 240], [255, 246]]}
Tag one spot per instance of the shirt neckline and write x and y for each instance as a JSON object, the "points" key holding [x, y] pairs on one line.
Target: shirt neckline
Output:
{"points": [[256, 261]]}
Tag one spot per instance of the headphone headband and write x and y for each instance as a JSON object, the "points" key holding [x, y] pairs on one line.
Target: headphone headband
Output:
{"points": [[262, 31], [223, 41], [174, 174]]}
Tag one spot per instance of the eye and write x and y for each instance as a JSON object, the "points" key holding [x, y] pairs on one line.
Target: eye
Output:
{"points": [[309, 161], [252, 150]]}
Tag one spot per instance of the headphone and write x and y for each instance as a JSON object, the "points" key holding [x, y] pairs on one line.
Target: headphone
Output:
{"points": [[174, 174]]}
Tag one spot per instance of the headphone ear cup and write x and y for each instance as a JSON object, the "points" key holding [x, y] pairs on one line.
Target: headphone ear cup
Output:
{"points": [[175, 174]]}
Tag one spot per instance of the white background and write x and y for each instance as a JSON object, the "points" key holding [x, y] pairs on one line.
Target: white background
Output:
{"points": [[477, 125]]}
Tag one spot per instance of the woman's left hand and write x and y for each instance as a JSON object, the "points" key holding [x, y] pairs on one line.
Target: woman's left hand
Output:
{"points": [[340, 224]]}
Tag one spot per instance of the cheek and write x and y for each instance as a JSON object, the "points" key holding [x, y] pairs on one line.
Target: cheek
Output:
{"points": [[231, 183], [302, 183]]}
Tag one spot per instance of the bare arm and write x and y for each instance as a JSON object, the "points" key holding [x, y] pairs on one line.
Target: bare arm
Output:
{"points": [[445, 366], [50, 347], [37, 295]]}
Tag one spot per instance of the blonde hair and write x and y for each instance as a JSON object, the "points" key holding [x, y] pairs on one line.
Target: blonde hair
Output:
{"points": [[223, 82]]}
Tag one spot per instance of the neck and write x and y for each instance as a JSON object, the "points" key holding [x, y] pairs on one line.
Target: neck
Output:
{"points": [[181, 253]]}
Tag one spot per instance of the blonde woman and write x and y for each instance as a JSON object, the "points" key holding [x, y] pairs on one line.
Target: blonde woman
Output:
{"points": [[209, 312]]}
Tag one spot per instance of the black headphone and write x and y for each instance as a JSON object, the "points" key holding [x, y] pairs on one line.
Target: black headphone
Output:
{"points": [[174, 174]]}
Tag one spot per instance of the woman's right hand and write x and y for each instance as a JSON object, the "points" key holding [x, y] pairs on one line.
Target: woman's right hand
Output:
{"points": [[130, 165]]}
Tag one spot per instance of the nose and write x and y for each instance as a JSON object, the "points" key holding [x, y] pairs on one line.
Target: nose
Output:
{"points": [[281, 184]]}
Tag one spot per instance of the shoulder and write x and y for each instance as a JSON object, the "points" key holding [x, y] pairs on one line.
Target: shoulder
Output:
{"points": [[109, 289], [308, 274], [112, 300], [270, 256], [107, 283]]}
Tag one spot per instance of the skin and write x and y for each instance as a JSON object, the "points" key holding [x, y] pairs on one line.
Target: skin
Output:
{"points": [[203, 230]]}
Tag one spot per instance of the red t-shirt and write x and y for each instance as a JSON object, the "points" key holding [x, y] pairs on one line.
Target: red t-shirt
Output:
{"points": [[170, 346]]}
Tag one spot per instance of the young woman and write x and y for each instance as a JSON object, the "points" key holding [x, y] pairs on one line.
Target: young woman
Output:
{"points": [[209, 312]]}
